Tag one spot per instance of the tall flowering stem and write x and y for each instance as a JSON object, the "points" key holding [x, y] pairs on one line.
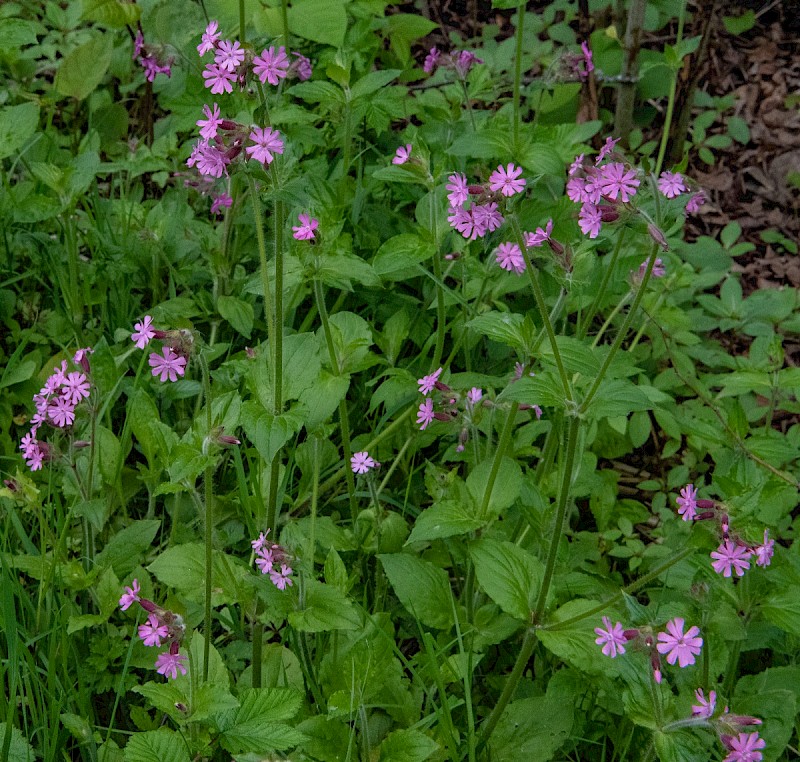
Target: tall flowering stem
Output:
{"points": [[502, 446], [673, 85], [208, 475], [590, 313], [437, 273], [623, 331], [518, 71]]}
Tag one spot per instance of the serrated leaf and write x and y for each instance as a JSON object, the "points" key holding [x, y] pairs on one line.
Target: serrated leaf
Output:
{"points": [[83, 69], [424, 589], [160, 745], [19, 750], [256, 725], [510, 575], [407, 746]]}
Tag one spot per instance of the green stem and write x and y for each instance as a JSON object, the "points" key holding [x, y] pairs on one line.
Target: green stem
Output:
{"points": [[467, 103], [502, 446], [601, 291], [561, 514], [673, 85], [285, 21], [208, 474], [241, 23], [610, 319], [440, 316], [518, 71], [623, 331]]}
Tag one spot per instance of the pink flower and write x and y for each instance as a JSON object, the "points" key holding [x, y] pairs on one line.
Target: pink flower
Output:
{"points": [[403, 154], [592, 188], [28, 444], [208, 126], [671, 184], [361, 462], [153, 631], [612, 638], [168, 664], [587, 59], [209, 39], [218, 79], [75, 388], [576, 190], [687, 503], [461, 220], [486, 217], [540, 236], [264, 560], [431, 60], [267, 141], [729, 557], [229, 55], [590, 220], [425, 414], [705, 706], [764, 551], [272, 66], [678, 646], [305, 230], [474, 396], [301, 67], [81, 357], [34, 458], [61, 412], [130, 596], [606, 149], [260, 541], [211, 162], [458, 188], [464, 60], [576, 165], [281, 578], [744, 748], [427, 383], [507, 180], [615, 181], [509, 256], [695, 202], [138, 44], [219, 200], [658, 271], [167, 365]]}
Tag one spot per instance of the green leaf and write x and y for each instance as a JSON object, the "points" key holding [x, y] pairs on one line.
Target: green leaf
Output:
{"points": [[256, 725], [160, 745], [83, 69], [509, 574], [322, 21], [373, 81], [269, 432], [445, 519], [407, 746], [17, 125], [126, 547], [618, 397], [398, 257], [679, 746], [112, 13], [352, 338], [16, 33], [403, 29], [782, 608], [325, 608], [424, 589], [19, 750], [740, 24], [17, 374], [506, 486], [507, 328], [238, 313], [739, 130], [542, 389], [531, 729], [318, 92]]}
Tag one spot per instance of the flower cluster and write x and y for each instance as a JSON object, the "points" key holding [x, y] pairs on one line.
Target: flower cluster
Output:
{"points": [[162, 626], [272, 559], [459, 61], [734, 553], [175, 351], [151, 58], [55, 404], [482, 215], [675, 644], [233, 64]]}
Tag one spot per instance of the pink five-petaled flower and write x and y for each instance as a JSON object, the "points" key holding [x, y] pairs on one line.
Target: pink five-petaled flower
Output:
{"points": [[260, 541], [486, 217], [431, 60], [152, 631], [576, 165], [606, 149], [281, 578], [143, 332], [745, 748], [671, 184], [705, 706], [679, 646], [459, 189], [75, 388], [474, 396], [130, 596], [61, 412], [764, 551], [612, 638], [305, 230], [590, 220], [587, 59], [218, 79], [219, 200], [658, 271], [267, 141], [167, 365], [507, 180], [168, 664], [509, 257], [361, 462], [687, 503], [301, 67], [271, 66], [229, 55], [208, 127], [615, 181], [731, 556], [402, 154], [695, 202], [209, 39], [427, 383], [540, 236], [576, 190], [425, 414]]}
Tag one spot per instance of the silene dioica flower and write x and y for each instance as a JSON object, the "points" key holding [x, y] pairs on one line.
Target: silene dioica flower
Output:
{"points": [[274, 560], [176, 350]]}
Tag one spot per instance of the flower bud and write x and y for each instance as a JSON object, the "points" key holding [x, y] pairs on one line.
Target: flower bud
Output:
{"points": [[657, 236], [608, 213]]}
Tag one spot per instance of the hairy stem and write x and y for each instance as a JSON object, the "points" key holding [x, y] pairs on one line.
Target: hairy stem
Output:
{"points": [[208, 474], [518, 71]]}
